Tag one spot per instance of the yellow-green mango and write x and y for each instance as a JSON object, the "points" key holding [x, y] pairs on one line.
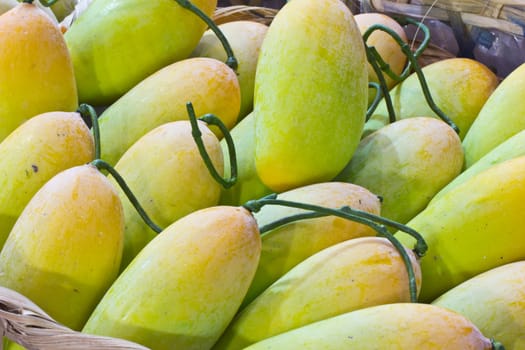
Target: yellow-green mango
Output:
{"points": [[344, 277], [245, 39], [397, 326], [64, 251], [286, 246], [167, 174], [311, 94], [209, 84], [183, 289], [36, 72], [502, 116], [33, 153], [406, 163], [474, 227], [459, 87], [248, 185], [494, 301], [511, 148], [115, 44]]}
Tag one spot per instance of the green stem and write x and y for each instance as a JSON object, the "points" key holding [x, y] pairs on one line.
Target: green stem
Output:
{"points": [[290, 219], [382, 83], [46, 3], [103, 165], [496, 345], [197, 136], [350, 214], [87, 111], [377, 99], [231, 61]]}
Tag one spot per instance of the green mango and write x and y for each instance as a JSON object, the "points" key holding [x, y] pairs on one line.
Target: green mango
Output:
{"points": [[210, 85], [311, 94], [64, 251], [502, 116], [183, 289], [33, 153], [347, 276], [248, 185], [286, 246], [474, 227], [115, 44], [166, 173], [406, 163], [459, 87]]}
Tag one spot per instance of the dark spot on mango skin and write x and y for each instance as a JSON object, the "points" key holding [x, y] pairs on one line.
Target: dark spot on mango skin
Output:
{"points": [[35, 168]]}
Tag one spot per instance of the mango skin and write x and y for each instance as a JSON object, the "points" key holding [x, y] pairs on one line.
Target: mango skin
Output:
{"points": [[65, 249], [310, 94], [245, 39], [459, 87], [36, 72], [286, 246], [116, 44], [397, 326], [501, 117], [166, 173], [344, 277], [33, 153], [406, 163], [472, 228], [210, 85], [248, 185], [501, 291], [184, 287]]}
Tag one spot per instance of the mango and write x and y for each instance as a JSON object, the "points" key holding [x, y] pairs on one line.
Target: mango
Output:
{"points": [[184, 287], [406, 163], [33, 153], [459, 87], [474, 227], [116, 44], [501, 117], [36, 72], [210, 85], [311, 94], [166, 173], [502, 316], [287, 245], [398, 326], [245, 39], [64, 251], [344, 277]]}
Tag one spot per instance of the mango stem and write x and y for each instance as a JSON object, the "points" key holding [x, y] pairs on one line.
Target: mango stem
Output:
{"points": [[87, 111], [496, 345], [197, 136], [377, 99], [231, 61]]}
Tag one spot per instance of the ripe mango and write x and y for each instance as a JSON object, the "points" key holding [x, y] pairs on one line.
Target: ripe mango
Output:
{"points": [[210, 85], [311, 94], [33, 153], [184, 287], [64, 251], [344, 277], [36, 72], [116, 44]]}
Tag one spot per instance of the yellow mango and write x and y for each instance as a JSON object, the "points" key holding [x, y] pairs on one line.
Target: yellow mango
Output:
{"points": [[115, 44], [399, 326], [474, 227], [64, 250], [184, 287], [286, 246], [501, 294], [33, 153], [36, 73], [502, 116], [166, 173], [459, 87], [406, 163], [344, 277], [245, 39], [210, 85], [310, 94]]}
